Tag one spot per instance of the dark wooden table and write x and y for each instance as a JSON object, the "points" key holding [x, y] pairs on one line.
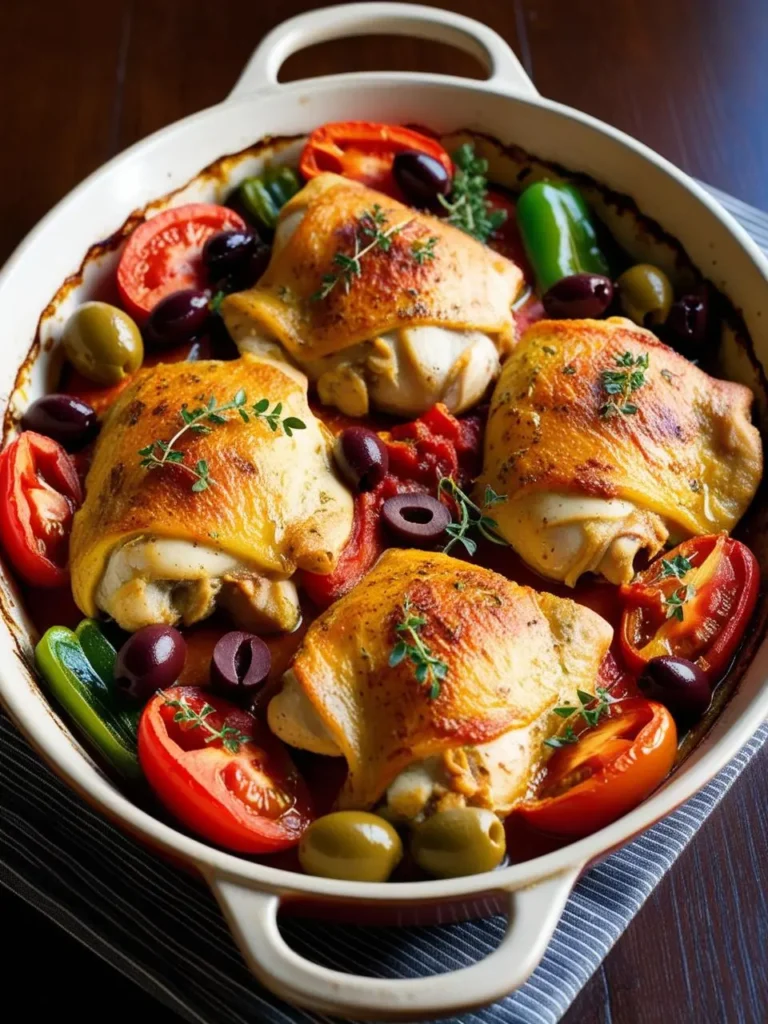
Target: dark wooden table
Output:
{"points": [[82, 80]]}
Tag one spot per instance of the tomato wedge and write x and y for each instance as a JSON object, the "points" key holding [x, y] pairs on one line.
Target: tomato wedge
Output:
{"points": [[612, 768], [365, 151], [694, 602], [221, 773], [164, 254], [41, 491]]}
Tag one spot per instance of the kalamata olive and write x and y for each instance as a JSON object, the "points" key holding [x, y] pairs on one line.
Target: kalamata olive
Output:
{"points": [[645, 294], [459, 841], [177, 318], [247, 274], [362, 457], [421, 178], [226, 253], [150, 660], [578, 297], [417, 519], [677, 683], [66, 419], [687, 325], [258, 262], [103, 343], [352, 845], [240, 664]]}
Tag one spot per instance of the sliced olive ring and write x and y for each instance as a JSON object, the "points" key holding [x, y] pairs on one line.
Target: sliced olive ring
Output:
{"points": [[416, 519]]}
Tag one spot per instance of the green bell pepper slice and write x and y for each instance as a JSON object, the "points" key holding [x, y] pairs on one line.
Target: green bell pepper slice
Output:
{"points": [[98, 650], [87, 696], [558, 233], [264, 196]]}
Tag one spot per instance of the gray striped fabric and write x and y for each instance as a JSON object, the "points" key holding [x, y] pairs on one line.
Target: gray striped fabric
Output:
{"points": [[163, 929]]}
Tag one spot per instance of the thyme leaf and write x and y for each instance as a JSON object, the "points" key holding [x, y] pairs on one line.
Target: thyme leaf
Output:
{"points": [[675, 603], [373, 226], [622, 383], [563, 739], [429, 670], [202, 420], [231, 738], [591, 707], [677, 567], [471, 517], [423, 249], [468, 206]]}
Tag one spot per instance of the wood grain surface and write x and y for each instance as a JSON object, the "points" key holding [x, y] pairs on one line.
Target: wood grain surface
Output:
{"points": [[82, 80]]}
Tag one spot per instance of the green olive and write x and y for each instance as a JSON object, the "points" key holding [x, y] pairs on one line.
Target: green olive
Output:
{"points": [[461, 841], [352, 845], [645, 294], [103, 343]]}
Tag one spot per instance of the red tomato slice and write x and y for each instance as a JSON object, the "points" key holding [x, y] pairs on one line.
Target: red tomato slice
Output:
{"points": [[365, 152], [163, 254], [222, 773], [612, 768], [41, 491], [694, 602], [365, 544]]}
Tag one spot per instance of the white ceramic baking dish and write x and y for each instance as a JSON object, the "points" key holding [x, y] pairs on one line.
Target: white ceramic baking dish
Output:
{"points": [[507, 107]]}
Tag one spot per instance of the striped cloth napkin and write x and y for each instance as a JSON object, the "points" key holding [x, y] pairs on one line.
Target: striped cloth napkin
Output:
{"points": [[163, 929]]}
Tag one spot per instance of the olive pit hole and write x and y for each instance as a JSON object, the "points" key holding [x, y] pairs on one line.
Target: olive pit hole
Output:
{"points": [[417, 515]]}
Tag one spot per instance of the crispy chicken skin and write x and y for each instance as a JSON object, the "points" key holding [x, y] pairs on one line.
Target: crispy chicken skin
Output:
{"points": [[512, 655], [586, 491], [146, 548], [406, 333]]}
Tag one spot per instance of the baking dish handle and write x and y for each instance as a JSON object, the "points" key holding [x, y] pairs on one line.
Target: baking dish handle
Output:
{"points": [[318, 26], [532, 917]]}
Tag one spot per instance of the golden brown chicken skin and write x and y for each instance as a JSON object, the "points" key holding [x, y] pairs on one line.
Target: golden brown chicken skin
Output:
{"points": [[511, 655], [148, 548], [591, 477], [426, 318]]}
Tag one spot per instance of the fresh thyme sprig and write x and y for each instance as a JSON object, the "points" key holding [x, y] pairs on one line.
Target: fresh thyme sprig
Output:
{"points": [[430, 671], [468, 207], [373, 225], [201, 421], [621, 384], [563, 739], [231, 738], [470, 516], [423, 249], [677, 567], [676, 601], [591, 708]]}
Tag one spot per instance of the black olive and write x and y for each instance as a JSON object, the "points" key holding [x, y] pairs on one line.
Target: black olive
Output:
{"points": [[226, 253], [65, 418], [150, 660], [677, 683], [177, 318], [578, 297], [362, 457], [421, 178], [417, 519], [240, 664], [687, 325]]}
